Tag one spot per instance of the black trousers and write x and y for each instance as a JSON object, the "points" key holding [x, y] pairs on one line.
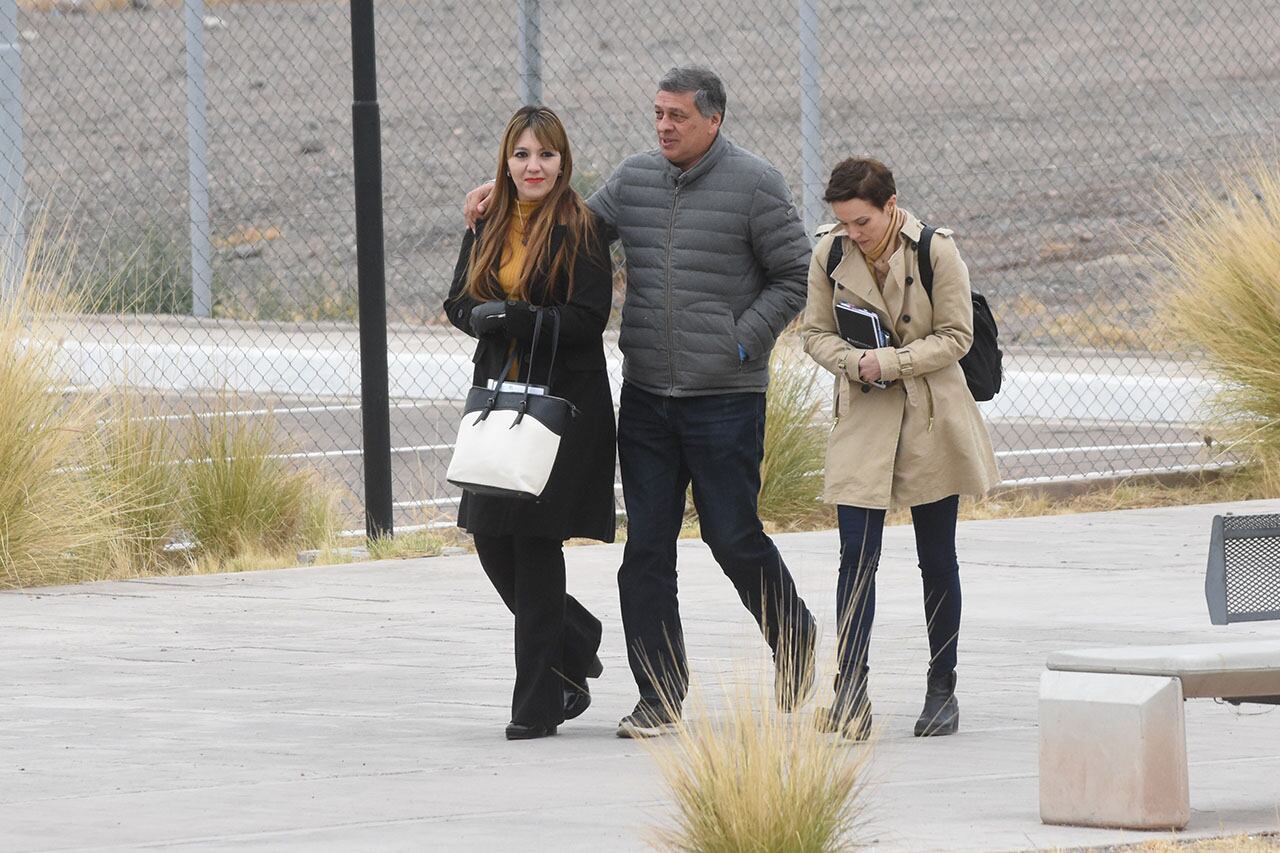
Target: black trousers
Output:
{"points": [[861, 534], [556, 638], [716, 442]]}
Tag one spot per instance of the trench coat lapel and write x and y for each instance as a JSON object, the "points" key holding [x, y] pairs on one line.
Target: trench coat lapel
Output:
{"points": [[854, 279], [894, 287]]}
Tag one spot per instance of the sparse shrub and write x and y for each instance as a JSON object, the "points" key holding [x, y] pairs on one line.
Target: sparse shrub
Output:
{"points": [[313, 299], [137, 476], [142, 270], [51, 529], [794, 441], [241, 497], [752, 778], [91, 490], [1223, 299]]}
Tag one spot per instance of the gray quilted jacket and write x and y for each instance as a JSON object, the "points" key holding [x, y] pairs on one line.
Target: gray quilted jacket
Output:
{"points": [[716, 258]]}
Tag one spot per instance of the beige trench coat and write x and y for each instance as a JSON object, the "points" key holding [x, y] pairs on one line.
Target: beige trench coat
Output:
{"points": [[922, 438]]}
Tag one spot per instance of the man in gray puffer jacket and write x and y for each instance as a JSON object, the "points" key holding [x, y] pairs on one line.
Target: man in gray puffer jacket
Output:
{"points": [[717, 265]]}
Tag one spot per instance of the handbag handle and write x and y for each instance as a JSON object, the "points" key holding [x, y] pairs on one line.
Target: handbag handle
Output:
{"points": [[537, 334], [511, 360], [533, 350]]}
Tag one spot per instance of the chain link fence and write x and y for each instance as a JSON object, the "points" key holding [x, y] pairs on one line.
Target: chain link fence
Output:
{"points": [[1046, 134]]}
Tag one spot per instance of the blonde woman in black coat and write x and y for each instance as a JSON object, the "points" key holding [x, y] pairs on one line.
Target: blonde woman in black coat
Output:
{"points": [[539, 250]]}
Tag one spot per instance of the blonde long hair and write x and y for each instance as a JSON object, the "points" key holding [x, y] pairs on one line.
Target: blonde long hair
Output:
{"points": [[562, 205]]}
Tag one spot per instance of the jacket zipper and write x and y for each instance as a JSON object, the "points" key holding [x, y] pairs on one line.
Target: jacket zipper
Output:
{"points": [[671, 227]]}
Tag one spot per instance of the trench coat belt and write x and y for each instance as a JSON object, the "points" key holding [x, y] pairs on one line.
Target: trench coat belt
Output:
{"points": [[911, 385], [910, 382]]}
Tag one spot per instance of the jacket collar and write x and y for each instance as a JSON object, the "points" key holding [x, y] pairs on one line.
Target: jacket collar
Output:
{"points": [[911, 227], [719, 147]]}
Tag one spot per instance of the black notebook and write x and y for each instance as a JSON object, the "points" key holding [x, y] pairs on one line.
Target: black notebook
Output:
{"points": [[861, 328]]}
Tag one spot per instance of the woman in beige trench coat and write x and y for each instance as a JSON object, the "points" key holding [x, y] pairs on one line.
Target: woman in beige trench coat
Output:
{"points": [[920, 442]]}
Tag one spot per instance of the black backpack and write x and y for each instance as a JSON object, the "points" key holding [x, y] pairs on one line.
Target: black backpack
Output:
{"points": [[982, 364]]}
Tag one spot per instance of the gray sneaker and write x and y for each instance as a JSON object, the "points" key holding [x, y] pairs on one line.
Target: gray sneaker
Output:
{"points": [[647, 721]]}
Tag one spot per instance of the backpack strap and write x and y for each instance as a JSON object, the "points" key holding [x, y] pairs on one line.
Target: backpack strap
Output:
{"points": [[925, 260], [834, 257]]}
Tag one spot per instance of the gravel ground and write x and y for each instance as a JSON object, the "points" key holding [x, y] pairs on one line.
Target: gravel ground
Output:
{"points": [[1041, 131]]}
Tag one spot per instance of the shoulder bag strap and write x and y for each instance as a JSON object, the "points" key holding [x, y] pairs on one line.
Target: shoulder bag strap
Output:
{"points": [[926, 260], [834, 257]]}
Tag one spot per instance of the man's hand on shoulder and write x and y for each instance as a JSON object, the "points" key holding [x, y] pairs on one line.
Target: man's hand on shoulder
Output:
{"points": [[476, 204]]}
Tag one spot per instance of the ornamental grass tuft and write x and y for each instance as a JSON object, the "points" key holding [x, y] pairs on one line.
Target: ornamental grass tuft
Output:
{"points": [[51, 528], [137, 475], [1223, 301], [243, 496], [795, 444], [749, 778]]}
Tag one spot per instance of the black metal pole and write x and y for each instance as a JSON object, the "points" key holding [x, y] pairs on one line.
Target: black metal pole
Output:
{"points": [[366, 131]]}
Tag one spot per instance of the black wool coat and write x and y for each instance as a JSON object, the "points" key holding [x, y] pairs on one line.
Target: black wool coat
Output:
{"points": [[579, 498]]}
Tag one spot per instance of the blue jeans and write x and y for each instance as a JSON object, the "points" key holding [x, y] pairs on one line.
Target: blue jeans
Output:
{"points": [[716, 442], [861, 533]]}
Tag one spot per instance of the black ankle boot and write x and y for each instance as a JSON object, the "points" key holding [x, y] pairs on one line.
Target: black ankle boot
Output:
{"points": [[941, 714], [850, 713]]}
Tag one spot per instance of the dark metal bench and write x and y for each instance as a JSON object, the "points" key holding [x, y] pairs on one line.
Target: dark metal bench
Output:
{"points": [[1242, 583]]}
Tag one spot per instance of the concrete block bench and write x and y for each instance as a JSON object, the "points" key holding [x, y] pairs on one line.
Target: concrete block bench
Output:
{"points": [[1112, 731], [1113, 747]]}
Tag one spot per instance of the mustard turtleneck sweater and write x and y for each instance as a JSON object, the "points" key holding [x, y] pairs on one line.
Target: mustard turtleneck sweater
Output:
{"points": [[513, 255]]}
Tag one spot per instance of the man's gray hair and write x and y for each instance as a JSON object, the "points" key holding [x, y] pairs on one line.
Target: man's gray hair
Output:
{"points": [[708, 91]]}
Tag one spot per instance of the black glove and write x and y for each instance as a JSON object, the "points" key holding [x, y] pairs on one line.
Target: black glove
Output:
{"points": [[489, 319], [520, 317]]}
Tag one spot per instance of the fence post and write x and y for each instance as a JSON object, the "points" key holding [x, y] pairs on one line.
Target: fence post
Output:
{"points": [[375, 407], [198, 163], [12, 163], [529, 37], [811, 177]]}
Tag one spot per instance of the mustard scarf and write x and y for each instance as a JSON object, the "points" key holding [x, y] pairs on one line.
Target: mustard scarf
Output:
{"points": [[878, 258]]}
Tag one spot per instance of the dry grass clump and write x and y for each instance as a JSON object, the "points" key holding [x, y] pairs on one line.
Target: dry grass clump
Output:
{"points": [[1224, 301], [407, 545], [91, 489], [795, 445], [242, 498], [137, 477], [51, 528], [753, 779]]}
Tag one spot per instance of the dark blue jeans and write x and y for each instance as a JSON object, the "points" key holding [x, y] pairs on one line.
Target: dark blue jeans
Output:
{"points": [[716, 442], [861, 532]]}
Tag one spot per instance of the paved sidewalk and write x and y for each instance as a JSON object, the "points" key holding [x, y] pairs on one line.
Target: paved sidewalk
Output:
{"points": [[361, 707]]}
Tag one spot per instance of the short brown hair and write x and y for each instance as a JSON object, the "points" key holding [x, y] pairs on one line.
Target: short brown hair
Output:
{"points": [[861, 177]]}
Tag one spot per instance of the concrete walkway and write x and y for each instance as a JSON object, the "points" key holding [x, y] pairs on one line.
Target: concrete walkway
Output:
{"points": [[361, 707]]}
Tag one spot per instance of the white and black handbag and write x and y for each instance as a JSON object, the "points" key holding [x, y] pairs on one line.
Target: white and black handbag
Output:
{"points": [[509, 435]]}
